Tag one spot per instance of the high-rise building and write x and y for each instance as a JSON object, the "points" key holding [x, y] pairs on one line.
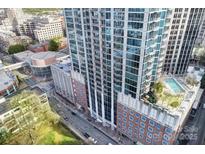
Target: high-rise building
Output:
{"points": [[116, 50], [201, 36], [48, 28], [184, 28], [16, 17]]}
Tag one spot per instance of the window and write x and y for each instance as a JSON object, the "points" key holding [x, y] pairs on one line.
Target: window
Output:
{"points": [[168, 130], [130, 124], [136, 16], [141, 130], [119, 117], [143, 118], [148, 140], [137, 121], [131, 112], [166, 137], [133, 42], [151, 122], [158, 126], [137, 128], [137, 115], [142, 124], [164, 142], [131, 118], [149, 134], [134, 34], [150, 129], [135, 25], [141, 136]]}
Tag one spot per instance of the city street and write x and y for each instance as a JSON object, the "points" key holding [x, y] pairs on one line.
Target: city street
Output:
{"points": [[199, 123], [79, 123], [194, 128]]}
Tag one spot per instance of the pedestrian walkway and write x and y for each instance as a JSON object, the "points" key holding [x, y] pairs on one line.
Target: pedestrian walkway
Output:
{"points": [[105, 130]]}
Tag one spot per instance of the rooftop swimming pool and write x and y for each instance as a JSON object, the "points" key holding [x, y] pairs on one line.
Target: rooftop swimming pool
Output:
{"points": [[174, 85]]}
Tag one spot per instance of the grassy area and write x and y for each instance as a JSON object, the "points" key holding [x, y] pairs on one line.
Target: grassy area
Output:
{"points": [[50, 135], [46, 135], [170, 99]]}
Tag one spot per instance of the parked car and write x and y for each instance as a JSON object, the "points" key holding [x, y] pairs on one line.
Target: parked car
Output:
{"points": [[73, 113], [86, 135], [66, 118]]}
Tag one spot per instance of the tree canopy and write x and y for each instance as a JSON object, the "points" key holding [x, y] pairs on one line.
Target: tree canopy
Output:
{"points": [[158, 87], [16, 48], [4, 135], [41, 11], [174, 104], [53, 45]]}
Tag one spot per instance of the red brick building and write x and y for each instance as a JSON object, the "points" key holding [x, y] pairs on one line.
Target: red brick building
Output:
{"points": [[42, 47], [79, 90], [151, 128]]}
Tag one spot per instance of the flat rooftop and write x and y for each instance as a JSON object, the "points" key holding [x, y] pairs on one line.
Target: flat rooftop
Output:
{"points": [[37, 90], [4, 103], [43, 55], [65, 65], [26, 56], [5, 79], [4, 107]]}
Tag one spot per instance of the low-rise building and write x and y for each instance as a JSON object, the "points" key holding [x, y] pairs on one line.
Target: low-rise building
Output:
{"points": [[8, 38], [14, 118], [42, 28], [79, 91], [41, 47], [70, 84], [8, 82], [62, 79], [40, 62]]}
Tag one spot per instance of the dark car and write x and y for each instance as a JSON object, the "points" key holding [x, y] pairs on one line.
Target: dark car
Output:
{"points": [[66, 118], [73, 113], [86, 135]]}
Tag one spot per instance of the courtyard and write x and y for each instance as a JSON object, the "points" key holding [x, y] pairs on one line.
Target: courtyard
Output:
{"points": [[166, 94]]}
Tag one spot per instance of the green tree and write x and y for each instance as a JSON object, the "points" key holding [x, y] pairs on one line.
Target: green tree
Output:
{"points": [[4, 136], [27, 101], [202, 82], [16, 48], [30, 102], [52, 117], [174, 104], [53, 45], [158, 87]]}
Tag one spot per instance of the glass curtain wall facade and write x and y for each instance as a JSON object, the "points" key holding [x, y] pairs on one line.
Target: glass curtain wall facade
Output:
{"points": [[184, 28], [117, 50]]}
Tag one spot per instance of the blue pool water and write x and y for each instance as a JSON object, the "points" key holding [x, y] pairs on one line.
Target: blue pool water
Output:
{"points": [[174, 85]]}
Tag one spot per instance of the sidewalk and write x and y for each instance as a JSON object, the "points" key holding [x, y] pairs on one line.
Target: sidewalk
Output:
{"points": [[105, 130]]}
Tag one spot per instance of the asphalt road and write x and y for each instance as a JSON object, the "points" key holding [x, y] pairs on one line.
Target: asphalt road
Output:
{"points": [[79, 123], [200, 122], [195, 127]]}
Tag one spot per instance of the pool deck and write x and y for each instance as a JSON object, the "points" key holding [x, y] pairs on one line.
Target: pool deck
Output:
{"points": [[180, 87]]}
